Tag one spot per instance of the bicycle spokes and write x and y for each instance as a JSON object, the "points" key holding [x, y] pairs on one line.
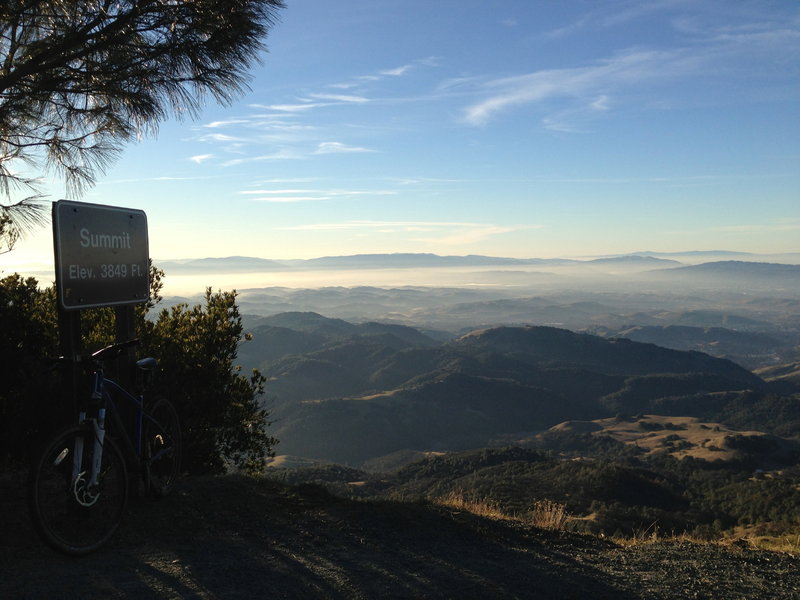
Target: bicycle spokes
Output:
{"points": [[72, 514]]}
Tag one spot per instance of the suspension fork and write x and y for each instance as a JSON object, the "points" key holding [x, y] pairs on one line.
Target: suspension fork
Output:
{"points": [[99, 426], [99, 430]]}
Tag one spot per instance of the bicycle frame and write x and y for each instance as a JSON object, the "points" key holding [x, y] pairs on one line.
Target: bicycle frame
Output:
{"points": [[132, 448]]}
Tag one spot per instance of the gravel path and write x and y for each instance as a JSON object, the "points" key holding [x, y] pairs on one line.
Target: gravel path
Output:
{"points": [[232, 537]]}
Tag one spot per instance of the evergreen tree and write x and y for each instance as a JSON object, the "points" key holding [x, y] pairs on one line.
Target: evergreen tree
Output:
{"points": [[79, 78]]}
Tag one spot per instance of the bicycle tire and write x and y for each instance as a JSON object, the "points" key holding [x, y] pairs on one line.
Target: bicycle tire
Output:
{"points": [[71, 518], [162, 444]]}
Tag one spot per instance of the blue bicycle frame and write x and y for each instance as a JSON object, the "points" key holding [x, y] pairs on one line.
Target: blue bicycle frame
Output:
{"points": [[101, 397]]}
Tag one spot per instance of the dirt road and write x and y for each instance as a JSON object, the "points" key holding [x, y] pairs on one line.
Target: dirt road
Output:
{"points": [[232, 537]]}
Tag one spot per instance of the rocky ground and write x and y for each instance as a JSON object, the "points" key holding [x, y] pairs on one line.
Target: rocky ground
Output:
{"points": [[233, 537]]}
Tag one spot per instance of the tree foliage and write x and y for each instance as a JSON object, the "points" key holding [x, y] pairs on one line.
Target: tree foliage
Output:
{"points": [[222, 422], [28, 336], [79, 78], [224, 425], [17, 219]]}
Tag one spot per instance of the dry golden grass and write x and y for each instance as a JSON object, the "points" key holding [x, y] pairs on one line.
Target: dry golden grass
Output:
{"points": [[789, 544], [765, 536], [678, 436], [482, 508], [544, 514], [786, 544], [548, 515]]}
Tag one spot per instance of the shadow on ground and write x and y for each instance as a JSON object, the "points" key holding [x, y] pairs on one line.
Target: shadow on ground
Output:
{"points": [[232, 537]]}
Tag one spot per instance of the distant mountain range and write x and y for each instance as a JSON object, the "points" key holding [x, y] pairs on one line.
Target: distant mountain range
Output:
{"points": [[241, 264], [411, 260], [702, 253], [746, 268], [635, 259], [229, 264], [734, 274], [356, 261]]}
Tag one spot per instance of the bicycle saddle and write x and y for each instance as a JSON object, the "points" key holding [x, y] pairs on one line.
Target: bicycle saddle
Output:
{"points": [[147, 364]]}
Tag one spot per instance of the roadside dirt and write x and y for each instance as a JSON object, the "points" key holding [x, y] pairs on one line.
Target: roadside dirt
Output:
{"points": [[235, 537]]}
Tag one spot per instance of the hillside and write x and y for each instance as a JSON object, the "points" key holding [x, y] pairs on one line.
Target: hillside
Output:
{"points": [[679, 437], [350, 393], [734, 273], [233, 537], [750, 349], [613, 478], [554, 346], [744, 268]]}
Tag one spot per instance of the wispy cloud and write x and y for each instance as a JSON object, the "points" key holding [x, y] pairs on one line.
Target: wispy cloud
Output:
{"points": [[346, 85], [339, 148], [159, 178], [291, 108], [637, 72], [471, 235], [286, 195], [307, 195], [398, 71], [340, 98], [282, 180], [296, 129], [609, 15], [289, 199], [360, 80], [225, 123], [220, 137], [629, 68], [448, 233], [575, 119], [278, 155], [262, 192]]}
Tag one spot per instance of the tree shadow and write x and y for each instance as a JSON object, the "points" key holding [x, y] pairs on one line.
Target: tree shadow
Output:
{"points": [[233, 537]]}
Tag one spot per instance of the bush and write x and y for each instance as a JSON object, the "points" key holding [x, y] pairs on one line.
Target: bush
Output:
{"points": [[223, 424], [29, 394]]}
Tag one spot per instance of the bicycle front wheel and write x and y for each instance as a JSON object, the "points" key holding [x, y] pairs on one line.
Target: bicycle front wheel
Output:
{"points": [[162, 438], [73, 516]]}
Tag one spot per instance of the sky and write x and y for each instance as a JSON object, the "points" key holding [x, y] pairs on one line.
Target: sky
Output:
{"points": [[518, 128]]}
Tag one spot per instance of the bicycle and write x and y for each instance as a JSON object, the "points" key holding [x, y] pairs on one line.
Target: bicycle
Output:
{"points": [[78, 489]]}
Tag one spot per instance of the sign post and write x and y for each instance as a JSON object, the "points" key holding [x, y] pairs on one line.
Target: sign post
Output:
{"points": [[101, 259]]}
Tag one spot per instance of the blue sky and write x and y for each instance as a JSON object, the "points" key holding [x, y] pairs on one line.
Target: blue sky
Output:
{"points": [[519, 128]]}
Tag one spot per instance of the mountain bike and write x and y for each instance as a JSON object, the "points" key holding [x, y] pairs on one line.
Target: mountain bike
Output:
{"points": [[79, 485]]}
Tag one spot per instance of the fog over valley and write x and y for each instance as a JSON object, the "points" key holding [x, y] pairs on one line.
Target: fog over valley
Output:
{"points": [[738, 291]]}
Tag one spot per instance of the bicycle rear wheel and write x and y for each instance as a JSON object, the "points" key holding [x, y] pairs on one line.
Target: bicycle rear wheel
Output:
{"points": [[71, 516], [162, 444]]}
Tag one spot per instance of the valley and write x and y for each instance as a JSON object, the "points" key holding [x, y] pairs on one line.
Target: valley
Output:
{"points": [[632, 396]]}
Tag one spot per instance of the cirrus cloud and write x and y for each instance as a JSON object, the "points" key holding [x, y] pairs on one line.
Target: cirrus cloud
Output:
{"points": [[339, 148]]}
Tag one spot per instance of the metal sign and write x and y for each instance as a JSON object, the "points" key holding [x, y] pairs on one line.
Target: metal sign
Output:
{"points": [[101, 255]]}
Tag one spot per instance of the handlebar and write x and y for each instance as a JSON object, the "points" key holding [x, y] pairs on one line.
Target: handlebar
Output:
{"points": [[113, 350], [110, 351]]}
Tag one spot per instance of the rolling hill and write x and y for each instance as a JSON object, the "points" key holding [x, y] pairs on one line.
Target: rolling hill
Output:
{"points": [[732, 274], [351, 393], [747, 348]]}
